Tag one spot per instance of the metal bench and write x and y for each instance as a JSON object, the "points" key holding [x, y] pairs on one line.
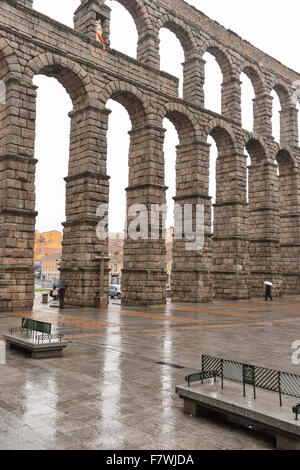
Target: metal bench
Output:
{"points": [[35, 337], [280, 382], [259, 409]]}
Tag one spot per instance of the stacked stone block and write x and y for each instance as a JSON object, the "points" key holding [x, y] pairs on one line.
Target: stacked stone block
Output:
{"points": [[263, 222], [144, 275], [17, 208], [191, 279], [289, 223], [249, 244], [87, 188], [86, 16], [230, 243], [193, 80]]}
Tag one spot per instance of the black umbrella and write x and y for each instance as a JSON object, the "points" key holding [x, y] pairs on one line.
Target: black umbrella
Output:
{"points": [[61, 285]]}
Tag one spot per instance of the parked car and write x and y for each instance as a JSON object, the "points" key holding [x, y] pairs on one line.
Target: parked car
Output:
{"points": [[114, 291]]}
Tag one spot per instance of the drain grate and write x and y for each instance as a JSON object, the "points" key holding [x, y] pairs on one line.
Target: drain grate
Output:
{"points": [[169, 364]]}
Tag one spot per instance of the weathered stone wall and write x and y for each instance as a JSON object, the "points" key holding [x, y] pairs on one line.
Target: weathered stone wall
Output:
{"points": [[251, 241]]}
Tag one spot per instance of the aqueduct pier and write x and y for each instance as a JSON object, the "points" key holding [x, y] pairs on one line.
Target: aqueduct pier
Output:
{"points": [[252, 240]]}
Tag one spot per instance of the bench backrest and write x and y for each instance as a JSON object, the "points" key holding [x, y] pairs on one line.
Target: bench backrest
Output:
{"points": [[35, 325], [267, 379]]}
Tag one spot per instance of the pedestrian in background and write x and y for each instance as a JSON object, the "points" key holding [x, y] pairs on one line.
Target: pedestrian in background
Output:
{"points": [[55, 293], [269, 286]]}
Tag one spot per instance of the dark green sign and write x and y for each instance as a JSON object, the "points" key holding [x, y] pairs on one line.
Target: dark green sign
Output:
{"points": [[35, 325], [249, 375]]}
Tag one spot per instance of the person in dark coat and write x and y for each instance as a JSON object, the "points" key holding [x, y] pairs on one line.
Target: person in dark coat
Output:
{"points": [[268, 293], [55, 293], [62, 291]]}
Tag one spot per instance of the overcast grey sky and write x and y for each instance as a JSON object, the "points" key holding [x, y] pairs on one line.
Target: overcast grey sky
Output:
{"points": [[270, 26]]}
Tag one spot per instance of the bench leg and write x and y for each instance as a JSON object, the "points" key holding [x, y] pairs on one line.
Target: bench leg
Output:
{"points": [[191, 408], [287, 443], [47, 354]]}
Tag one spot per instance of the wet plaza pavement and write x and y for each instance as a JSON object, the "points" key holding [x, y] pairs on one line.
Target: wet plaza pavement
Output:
{"points": [[114, 388]]}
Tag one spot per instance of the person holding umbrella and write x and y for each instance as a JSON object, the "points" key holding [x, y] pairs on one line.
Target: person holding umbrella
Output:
{"points": [[55, 293], [62, 290], [268, 285]]}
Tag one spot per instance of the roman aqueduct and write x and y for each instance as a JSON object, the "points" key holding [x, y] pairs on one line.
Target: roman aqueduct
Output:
{"points": [[251, 241]]}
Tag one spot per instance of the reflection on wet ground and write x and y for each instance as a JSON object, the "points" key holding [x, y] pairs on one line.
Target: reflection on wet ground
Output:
{"points": [[114, 387]]}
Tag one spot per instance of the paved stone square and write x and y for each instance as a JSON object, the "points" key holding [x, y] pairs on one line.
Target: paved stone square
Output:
{"points": [[115, 386]]}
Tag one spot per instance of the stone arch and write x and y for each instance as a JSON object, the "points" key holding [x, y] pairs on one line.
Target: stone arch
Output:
{"points": [[130, 97], [260, 101], [256, 148], [286, 161], [288, 114], [256, 77], [70, 74], [225, 127], [253, 136], [139, 13], [181, 31], [227, 181], [230, 87], [283, 93], [183, 120], [223, 139], [222, 57]]}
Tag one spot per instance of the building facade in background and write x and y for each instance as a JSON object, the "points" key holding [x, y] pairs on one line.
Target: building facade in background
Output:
{"points": [[47, 244], [116, 243], [49, 267]]}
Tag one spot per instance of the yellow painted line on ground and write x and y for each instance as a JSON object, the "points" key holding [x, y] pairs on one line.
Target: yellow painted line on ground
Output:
{"points": [[218, 312], [84, 323], [271, 306], [262, 300], [164, 317], [186, 328]]}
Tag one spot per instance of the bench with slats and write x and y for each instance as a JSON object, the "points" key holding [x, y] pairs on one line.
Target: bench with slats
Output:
{"points": [[35, 337], [245, 397]]}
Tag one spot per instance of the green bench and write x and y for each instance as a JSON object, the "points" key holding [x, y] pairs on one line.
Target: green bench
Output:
{"points": [[244, 398], [33, 328], [35, 337], [277, 381]]}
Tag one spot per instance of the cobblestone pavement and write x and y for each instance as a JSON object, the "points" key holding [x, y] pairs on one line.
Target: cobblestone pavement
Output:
{"points": [[115, 386]]}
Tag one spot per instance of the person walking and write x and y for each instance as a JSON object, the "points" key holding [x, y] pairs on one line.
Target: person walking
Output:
{"points": [[268, 292], [62, 291], [55, 293]]}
